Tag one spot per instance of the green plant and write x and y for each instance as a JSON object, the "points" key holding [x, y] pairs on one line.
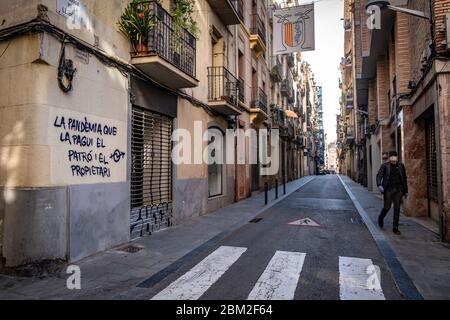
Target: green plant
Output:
{"points": [[136, 22], [182, 11]]}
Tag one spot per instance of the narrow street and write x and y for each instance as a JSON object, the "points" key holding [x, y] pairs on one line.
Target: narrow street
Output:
{"points": [[312, 253], [246, 152], [256, 252]]}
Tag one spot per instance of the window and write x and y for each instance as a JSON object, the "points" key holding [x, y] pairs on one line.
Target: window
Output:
{"points": [[215, 161]]}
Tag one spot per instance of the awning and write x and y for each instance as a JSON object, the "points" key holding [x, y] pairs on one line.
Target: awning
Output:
{"points": [[291, 114]]}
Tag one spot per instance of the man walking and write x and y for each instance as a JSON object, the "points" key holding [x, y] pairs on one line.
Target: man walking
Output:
{"points": [[393, 184]]}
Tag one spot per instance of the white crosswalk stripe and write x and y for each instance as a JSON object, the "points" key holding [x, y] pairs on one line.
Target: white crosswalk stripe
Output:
{"points": [[279, 280], [359, 279], [193, 284]]}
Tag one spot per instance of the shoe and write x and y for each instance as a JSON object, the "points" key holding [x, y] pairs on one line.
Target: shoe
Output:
{"points": [[381, 222], [397, 232]]}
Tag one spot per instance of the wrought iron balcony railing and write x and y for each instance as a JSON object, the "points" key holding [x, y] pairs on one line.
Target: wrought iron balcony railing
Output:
{"points": [[222, 85], [259, 99], [241, 87], [258, 27], [287, 88], [169, 41]]}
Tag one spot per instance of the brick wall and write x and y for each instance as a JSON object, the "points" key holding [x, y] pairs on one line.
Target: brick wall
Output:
{"points": [[403, 66], [441, 7], [382, 87], [372, 106], [419, 38], [365, 33]]}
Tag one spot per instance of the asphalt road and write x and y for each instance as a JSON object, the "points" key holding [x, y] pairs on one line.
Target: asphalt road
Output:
{"points": [[271, 259]]}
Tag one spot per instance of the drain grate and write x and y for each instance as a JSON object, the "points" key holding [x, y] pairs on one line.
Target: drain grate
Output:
{"points": [[131, 249], [256, 220]]}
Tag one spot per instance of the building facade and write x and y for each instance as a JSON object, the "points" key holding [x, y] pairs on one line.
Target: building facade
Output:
{"points": [[400, 85], [332, 160], [86, 144]]}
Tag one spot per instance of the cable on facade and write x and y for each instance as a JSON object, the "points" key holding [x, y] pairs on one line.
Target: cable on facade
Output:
{"points": [[42, 26]]}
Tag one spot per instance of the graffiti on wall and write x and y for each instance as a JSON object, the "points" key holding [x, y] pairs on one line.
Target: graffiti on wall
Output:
{"points": [[90, 148]]}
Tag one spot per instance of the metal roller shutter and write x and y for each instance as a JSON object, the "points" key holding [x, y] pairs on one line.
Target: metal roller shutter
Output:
{"points": [[151, 172]]}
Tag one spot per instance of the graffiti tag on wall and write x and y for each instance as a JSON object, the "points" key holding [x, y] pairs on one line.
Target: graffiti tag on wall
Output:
{"points": [[88, 152]]}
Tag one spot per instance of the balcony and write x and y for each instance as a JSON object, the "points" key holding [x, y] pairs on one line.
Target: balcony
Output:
{"points": [[350, 135], [171, 55], [290, 60], [223, 90], [259, 100], [287, 88], [295, 75], [349, 96], [278, 116], [348, 25], [348, 108], [228, 11], [277, 70], [258, 34]]}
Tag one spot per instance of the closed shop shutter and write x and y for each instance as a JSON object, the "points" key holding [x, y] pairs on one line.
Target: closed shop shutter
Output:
{"points": [[151, 172], [432, 179]]}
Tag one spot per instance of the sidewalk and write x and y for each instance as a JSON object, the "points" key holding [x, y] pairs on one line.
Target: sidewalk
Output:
{"points": [[115, 274], [424, 258]]}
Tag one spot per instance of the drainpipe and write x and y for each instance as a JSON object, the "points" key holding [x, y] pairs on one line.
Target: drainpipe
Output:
{"points": [[236, 171]]}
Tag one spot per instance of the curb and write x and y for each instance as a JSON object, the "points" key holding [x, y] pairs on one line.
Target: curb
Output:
{"points": [[402, 280]]}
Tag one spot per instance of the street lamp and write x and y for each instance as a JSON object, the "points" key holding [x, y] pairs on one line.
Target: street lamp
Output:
{"points": [[387, 5]]}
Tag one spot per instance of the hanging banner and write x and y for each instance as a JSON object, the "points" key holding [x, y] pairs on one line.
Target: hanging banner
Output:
{"points": [[293, 29]]}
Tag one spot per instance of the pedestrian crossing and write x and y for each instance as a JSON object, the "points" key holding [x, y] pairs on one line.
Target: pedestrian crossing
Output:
{"points": [[359, 279]]}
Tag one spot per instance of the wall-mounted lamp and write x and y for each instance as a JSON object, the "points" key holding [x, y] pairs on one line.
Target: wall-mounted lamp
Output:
{"points": [[387, 5]]}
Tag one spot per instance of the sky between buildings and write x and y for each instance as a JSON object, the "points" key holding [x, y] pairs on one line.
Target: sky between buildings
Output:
{"points": [[327, 56]]}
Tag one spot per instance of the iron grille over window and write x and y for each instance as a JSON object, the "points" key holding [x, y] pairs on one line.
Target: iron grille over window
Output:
{"points": [[151, 172], [169, 41]]}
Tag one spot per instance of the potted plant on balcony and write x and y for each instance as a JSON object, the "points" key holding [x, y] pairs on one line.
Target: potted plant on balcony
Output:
{"points": [[136, 23], [182, 11]]}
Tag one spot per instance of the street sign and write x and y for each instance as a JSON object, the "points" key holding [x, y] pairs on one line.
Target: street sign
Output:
{"points": [[307, 222], [293, 29]]}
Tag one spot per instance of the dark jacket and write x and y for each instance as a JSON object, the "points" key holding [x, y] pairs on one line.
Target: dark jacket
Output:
{"points": [[384, 174]]}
